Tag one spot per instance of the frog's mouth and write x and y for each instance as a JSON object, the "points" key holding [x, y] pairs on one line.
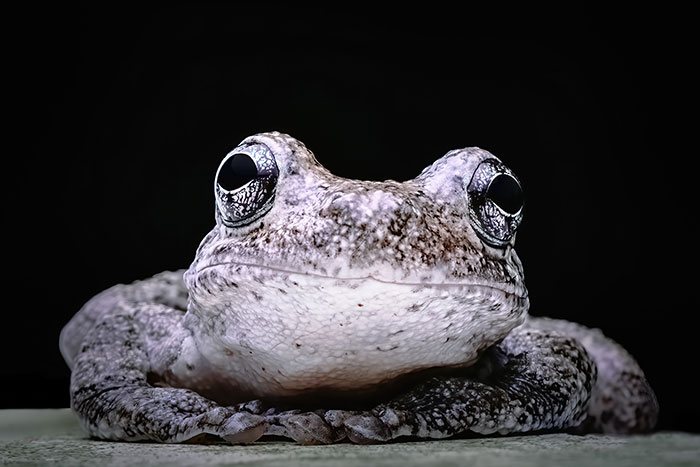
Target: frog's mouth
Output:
{"points": [[242, 269]]}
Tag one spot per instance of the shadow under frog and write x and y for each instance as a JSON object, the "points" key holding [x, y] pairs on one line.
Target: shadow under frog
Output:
{"points": [[320, 308]]}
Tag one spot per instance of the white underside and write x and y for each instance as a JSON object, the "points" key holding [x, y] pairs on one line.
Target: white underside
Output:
{"points": [[338, 333]]}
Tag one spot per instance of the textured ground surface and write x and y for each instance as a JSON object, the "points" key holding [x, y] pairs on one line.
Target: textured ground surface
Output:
{"points": [[38, 437]]}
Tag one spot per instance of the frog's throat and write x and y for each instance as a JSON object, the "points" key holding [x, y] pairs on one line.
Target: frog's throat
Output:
{"points": [[508, 289]]}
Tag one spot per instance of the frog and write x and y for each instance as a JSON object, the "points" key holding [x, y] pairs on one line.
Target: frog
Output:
{"points": [[322, 309]]}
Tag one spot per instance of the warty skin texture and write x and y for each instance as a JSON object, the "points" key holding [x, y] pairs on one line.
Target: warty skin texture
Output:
{"points": [[334, 290]]}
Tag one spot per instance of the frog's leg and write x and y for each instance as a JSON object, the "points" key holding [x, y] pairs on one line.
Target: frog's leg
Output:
{"points": [[167, 288], [538, 380], [622, 400], [112, 396], [122, 346]]}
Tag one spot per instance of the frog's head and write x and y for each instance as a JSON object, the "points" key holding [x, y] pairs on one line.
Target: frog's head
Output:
{"points": [[351, 282]]}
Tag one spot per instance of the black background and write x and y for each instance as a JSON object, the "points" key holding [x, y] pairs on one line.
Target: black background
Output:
{"points": [[120, 116]]}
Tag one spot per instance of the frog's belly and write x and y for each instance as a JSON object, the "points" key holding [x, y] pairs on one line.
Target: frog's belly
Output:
{"points": [[342, 334]]}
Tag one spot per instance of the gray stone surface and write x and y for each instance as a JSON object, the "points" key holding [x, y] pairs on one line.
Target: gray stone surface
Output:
{"points": [[40, 437]]}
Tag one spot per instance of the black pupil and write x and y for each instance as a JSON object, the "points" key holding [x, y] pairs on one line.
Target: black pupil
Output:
{"points": [[236, 172], [505, 191]]}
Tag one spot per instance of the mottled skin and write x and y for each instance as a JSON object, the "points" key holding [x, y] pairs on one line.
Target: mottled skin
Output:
{"points": [[321, 308]]}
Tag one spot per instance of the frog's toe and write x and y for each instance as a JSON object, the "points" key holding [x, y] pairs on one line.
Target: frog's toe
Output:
{"points": [[243, 428], [308, 428], [366, 428], [336, 418], [256, 407]]}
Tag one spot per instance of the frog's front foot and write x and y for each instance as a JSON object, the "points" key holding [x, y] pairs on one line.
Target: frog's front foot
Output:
{"points": [[537, 381], [113, 395], [303, 427], [546, 375]]}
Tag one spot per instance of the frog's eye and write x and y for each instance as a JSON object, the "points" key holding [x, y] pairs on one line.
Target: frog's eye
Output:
{"points": [[245, 184], [505, 191], [495, 202]]}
